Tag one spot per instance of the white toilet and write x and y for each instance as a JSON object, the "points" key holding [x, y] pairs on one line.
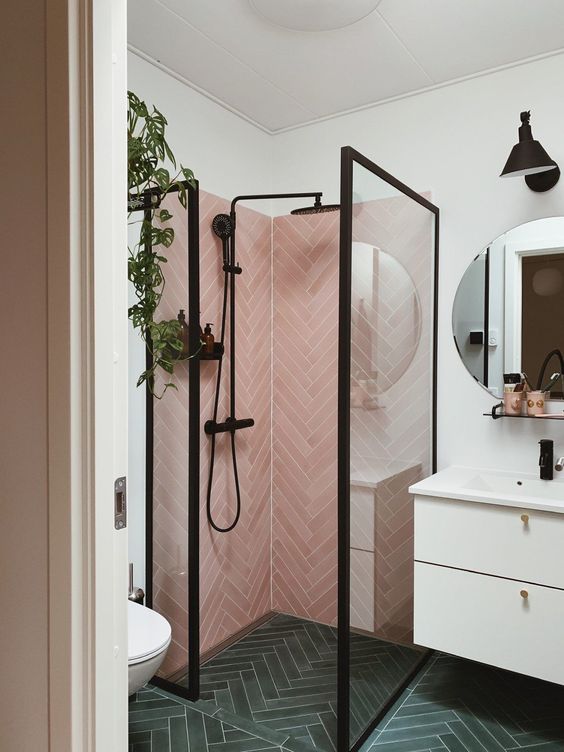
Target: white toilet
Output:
{"points": [[149, 636]]}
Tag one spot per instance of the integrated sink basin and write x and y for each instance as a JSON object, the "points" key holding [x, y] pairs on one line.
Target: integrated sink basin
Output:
{"points": [[494, 487], [510, 485]]}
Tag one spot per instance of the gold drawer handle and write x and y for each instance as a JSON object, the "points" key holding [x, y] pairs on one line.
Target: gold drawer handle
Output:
{"points": [[524, 594], [525, 519]]}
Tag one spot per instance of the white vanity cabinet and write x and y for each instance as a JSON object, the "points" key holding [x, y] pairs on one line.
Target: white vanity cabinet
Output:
{"points": [[489, 574]]}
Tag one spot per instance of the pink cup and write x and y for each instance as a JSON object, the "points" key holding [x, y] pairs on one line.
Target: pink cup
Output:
{"points": [[535, 402], [512, 403]]}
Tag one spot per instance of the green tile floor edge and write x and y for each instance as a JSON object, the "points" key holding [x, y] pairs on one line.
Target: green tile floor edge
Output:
{"points": [[456, 705]]}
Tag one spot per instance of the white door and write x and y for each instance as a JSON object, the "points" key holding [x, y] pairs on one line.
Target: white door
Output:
{"points": [[110, 368], [87, 350]]}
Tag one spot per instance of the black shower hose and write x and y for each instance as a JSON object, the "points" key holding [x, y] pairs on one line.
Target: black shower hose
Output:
{"points": [[228, 260]]}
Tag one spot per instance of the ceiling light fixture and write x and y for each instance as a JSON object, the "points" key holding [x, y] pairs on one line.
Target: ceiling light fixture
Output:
{"points": [[528, 159], [313, 15]]}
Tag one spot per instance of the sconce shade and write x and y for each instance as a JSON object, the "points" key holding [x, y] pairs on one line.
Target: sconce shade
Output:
{"points": [[528, 157]]}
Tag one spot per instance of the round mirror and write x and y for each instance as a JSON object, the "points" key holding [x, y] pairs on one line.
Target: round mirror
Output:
{"points": [[385, 320], [508, 313]]}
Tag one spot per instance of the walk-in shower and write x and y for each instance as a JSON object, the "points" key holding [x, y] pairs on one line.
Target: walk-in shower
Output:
{"points": [[286, 573], [224, 226]]}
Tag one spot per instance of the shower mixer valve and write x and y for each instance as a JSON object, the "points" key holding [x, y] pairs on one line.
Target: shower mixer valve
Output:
{"points": [[211, 427]]}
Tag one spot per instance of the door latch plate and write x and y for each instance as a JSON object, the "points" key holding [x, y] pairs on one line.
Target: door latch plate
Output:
{"points": [[120, 503]]}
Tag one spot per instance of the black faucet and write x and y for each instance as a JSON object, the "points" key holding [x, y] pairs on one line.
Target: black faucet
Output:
{"points": [[546, 459]]}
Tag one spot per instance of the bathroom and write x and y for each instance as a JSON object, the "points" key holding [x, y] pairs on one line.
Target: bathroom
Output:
{"points": [[275, 576], [386, 572]]}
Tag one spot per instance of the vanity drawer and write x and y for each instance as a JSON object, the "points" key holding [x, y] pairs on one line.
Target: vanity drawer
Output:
{"points": [[491, 539], [486, 619]]}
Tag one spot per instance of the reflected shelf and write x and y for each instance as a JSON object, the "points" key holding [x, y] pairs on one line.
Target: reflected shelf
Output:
{"points": [[499, 406]]}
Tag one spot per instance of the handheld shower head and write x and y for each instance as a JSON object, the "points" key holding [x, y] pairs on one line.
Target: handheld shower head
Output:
{"points": [[222, 226]]}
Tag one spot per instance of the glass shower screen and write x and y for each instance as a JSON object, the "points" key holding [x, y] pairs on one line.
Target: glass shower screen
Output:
{"points": [[388, 251]]}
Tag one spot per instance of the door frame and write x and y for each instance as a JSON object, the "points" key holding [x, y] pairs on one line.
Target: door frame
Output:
{"points": [[86, 151], [349, 157], [515, 252]]}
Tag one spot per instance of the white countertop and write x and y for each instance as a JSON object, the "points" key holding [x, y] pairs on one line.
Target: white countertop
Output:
{"points": [[499, 487]]}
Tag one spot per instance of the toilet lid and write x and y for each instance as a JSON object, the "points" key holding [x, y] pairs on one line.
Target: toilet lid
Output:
{"points": [[148, 632]]}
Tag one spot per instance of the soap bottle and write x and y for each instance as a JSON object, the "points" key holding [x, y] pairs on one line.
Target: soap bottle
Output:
{"points": [[184, 335], [208, 340]]}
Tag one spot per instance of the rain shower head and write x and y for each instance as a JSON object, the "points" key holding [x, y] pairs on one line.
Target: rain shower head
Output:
{"points": [[222, 226], [317, 208]]}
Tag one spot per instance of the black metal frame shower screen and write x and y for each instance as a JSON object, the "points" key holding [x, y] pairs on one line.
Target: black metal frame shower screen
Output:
{"points": [[192, 690], [349, 157]]}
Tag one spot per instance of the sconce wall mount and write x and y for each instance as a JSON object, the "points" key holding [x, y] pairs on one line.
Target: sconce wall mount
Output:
{"points": [[529, 159]]}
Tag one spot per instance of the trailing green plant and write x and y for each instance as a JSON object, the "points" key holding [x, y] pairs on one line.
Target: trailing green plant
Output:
{"points": [[148, 152]]}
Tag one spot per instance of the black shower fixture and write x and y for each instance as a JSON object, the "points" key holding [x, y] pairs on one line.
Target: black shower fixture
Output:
{"points": [[317, 208], [224, 226], [528, 159]]}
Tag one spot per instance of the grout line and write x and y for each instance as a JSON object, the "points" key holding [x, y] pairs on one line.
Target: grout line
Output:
{"points": [[271, 412], [405, 48], [187, 727]]}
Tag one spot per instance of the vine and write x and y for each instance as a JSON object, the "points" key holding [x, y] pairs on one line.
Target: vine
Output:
{"points": [[148, 151]]}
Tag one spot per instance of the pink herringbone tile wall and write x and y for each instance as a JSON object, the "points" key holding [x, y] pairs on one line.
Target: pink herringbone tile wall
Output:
{"points": [[304, 488], [392, 337], [398, 323], [235, 567]]}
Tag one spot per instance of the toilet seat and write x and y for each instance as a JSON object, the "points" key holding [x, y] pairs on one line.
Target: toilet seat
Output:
{"points": [[148, 632]]}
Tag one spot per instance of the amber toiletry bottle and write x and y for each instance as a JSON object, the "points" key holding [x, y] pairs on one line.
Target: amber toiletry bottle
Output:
{"points": [[208, 339], [184, 336]]}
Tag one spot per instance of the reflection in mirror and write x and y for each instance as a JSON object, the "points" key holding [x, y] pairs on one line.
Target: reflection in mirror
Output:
{"points": [[386, 323], [508, 313]]}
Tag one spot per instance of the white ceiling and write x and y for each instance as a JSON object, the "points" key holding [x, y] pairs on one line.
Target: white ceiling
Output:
{"points": [[279, 79]]}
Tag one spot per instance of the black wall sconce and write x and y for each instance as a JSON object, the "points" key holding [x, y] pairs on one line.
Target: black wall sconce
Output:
{"points": [[528, 159]]}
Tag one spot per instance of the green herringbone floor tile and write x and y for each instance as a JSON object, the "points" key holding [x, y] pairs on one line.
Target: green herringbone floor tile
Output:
{"points": [[283, 676], [193, 727], [462, 706], [452, 705]]}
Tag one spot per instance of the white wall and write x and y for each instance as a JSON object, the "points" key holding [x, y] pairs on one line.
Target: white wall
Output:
{"points": [[229, 157], [453, 141], [469, 316]]}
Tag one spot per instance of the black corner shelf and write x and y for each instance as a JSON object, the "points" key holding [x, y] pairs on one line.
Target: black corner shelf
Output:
{"points": [[217, 354], [496, 415]]}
